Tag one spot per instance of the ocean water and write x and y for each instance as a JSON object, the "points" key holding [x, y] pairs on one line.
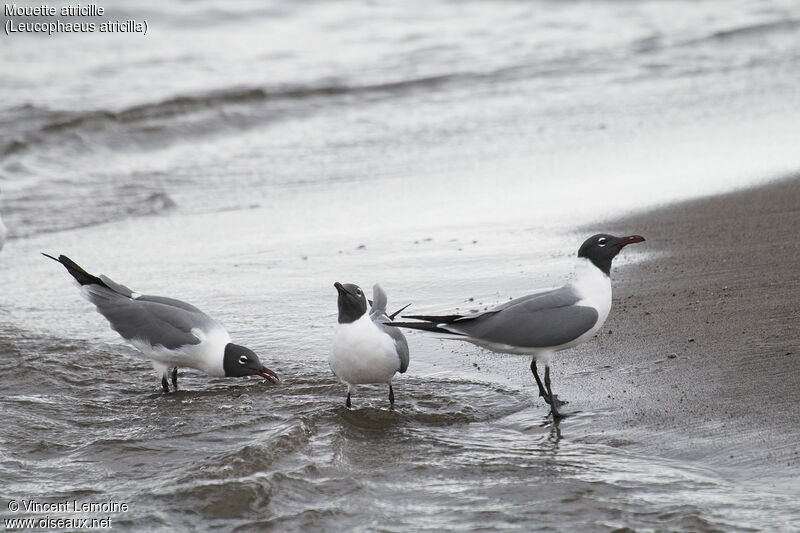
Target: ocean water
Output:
{"points": [[243, 156]]}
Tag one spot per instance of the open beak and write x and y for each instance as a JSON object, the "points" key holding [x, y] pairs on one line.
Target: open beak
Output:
{"points": [[632, 239], [340, 288], [267, 374]]}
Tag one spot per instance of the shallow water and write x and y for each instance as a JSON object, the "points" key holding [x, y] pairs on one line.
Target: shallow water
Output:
{"points": [[456, 452], [244, 157]]}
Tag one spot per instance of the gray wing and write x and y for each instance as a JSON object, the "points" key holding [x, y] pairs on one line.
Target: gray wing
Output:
{"points": [[536, 321], [171, 302], [401, 344], [379, 301], [550, 297], [116, 287], [154, 319], [125, 291], [546, 299]]}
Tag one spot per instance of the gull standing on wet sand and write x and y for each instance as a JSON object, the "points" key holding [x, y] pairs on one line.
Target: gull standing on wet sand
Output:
{"points": [[546, 322], [365, 349], [171, 333]]}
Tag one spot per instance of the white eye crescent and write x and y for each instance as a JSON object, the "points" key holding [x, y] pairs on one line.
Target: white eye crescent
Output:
{"points": [[243, 360], [601, 241], [358, 292]]}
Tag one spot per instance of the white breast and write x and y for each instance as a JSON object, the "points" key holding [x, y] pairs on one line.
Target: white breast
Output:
{"points": [[206, 356], [594, 288], [362, 353]]}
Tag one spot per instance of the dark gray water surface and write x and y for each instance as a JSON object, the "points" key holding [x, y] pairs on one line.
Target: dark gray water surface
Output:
{"points": [[240, 155], [455, 453]]}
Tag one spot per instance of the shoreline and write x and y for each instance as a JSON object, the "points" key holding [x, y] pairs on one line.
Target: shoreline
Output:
{"points": [[702, 339], [656, 443]]}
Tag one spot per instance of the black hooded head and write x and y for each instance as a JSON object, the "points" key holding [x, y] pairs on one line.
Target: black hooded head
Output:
{"points": [[602, 248], [239, 361], [352, 302]]}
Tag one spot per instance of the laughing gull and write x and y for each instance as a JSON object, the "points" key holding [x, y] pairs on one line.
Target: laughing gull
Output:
{"points": [[365, 349], [545, 322], [171, 333]]}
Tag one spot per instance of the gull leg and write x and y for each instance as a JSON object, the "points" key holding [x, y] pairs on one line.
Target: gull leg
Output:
{"points": [[347, 403], [391, 395], [542, 392], [175, 377], [553, 400], [163, 371]]}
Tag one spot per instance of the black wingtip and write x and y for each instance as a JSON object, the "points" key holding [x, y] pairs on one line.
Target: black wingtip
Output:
{"points": [[443, 319], [75, 270], [423, 326], [393, 315]]}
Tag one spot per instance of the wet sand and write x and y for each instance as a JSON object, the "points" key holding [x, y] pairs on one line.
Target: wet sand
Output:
{"points": [[701, 346]]}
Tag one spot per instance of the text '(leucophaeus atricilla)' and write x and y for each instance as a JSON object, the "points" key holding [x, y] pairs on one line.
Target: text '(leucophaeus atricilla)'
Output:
{"points": [[365, 349], [545, 322], [171, 333]]}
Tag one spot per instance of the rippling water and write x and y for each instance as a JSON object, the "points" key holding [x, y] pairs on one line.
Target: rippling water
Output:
{"points": [[244, 156]]}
